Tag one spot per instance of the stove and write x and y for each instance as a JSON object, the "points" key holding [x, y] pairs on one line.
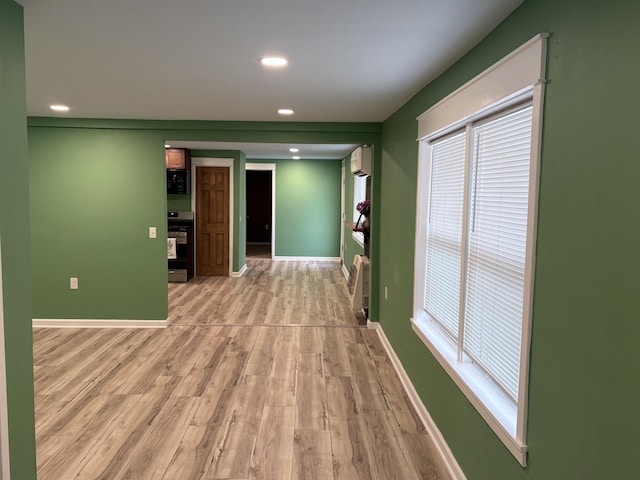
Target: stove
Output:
{"points": [[180, 241]]}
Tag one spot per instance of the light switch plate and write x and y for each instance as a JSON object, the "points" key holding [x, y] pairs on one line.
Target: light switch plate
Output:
{"points": [[152, 232], [73, 283]]}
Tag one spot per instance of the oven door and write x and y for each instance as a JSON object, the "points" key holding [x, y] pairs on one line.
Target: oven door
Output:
{"points": [[178, 266], [180, 236]]}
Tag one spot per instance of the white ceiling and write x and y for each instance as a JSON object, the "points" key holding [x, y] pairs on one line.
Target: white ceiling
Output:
{"points": [[349, 60]]}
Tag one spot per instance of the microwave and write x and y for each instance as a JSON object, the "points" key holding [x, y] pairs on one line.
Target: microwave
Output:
{"points": [[178, 182]]}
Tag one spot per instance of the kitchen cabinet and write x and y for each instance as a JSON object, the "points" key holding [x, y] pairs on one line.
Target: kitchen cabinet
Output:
{"points": [[178, 158]]}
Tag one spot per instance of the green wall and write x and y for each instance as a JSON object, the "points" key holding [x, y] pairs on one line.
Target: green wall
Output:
{"points": [[308, 208], [94, 194], [14, 239], [96, 187], [583, 397], [308, 187], [179, 203], [307, 220]]}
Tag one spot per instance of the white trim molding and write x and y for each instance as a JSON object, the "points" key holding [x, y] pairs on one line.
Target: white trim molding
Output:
{"points": [[520, 70], [345, 271], [5, 470], [307, 259], [97, 323], [343, 218], [450, 462], [242, 271], [272, 168], [260, 166]]}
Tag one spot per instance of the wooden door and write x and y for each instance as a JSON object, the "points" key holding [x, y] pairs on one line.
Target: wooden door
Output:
{"points": [[212, 221]]}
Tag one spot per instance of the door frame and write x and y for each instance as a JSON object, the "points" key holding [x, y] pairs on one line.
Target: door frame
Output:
{"points": [[343, 217], [269, 167], [4, 413], [213, 162]]}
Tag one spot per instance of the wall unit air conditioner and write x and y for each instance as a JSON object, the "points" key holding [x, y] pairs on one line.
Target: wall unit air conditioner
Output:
{"points": [[359, 283], [361, 161]]}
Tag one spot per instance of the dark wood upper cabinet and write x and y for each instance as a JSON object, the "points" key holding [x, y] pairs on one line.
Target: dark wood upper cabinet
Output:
{"points": [[178, 158]]}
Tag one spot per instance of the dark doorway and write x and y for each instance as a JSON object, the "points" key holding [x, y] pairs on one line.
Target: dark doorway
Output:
{"points": [[259, 214]]}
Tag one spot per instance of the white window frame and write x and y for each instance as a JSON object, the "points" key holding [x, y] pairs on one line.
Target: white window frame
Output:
{"points": [[5, 469], [359, 195], [516, 78]]}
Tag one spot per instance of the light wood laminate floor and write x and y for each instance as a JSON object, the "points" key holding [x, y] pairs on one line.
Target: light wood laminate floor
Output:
{"points": [[267, 377]]}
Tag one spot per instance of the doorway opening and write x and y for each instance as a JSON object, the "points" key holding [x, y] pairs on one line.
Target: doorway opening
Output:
{"points": [[260, 188]]}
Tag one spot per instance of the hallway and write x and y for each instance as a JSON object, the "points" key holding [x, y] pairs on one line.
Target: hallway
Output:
{"points": [[268, 376], [270, 292]]}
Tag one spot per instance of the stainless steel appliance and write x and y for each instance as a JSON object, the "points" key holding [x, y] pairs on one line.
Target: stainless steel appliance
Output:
{"points": [[180, 227]]}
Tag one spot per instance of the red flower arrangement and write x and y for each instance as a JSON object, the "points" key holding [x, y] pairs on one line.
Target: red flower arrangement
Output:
{"points": [[364, 207]]}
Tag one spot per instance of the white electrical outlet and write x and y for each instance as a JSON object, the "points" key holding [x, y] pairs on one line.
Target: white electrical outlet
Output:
{"points": [[152, 232], [73, 283]]}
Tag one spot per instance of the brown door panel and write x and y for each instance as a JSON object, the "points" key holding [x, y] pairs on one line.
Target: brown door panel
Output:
{"points": [[212, 221]]}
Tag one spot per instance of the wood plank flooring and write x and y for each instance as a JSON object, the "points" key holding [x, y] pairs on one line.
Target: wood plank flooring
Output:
{"points": [[270, 292], [268, 376]]}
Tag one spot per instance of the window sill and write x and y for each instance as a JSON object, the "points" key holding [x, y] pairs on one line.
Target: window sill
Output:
{"points": [[358, 237], [495, 407]]}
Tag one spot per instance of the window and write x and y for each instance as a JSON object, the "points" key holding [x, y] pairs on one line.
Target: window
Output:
{"points": [[477, 188], [359, 195], [497, 246], [475, 253]]}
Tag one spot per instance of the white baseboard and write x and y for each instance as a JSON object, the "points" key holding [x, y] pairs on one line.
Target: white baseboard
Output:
{"points": [[241, 272], [99, 323], [5, 467], [345, 272], [443, 449], [308, 259]]}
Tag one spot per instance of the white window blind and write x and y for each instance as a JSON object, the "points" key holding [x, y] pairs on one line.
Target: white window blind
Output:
{"points": [[444, 232], [359, 195], [499, 200]]}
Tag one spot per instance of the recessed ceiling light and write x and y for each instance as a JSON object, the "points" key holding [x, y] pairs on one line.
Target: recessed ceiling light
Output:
{"points": [[296, 157], [285, 111], [59, 108], [273, 61], [294, 150]]}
